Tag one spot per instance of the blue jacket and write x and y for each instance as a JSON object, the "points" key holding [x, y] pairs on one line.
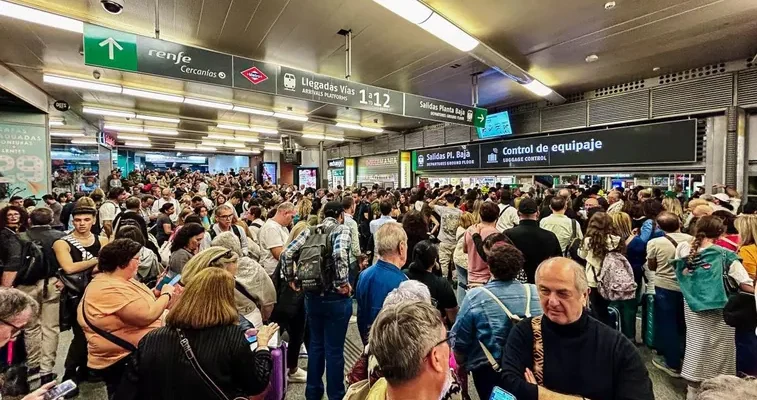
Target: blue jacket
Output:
{"points": [[372, 287], [482, 319]]}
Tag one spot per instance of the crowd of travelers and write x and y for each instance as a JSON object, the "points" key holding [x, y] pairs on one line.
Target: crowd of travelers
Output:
{"points": [[178, 284]]}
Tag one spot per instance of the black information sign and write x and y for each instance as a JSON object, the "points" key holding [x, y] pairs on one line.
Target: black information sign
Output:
{"points": [[163, 58], [255, 75], [309, 86], [644, 144], [448, 158], [444, 111]]}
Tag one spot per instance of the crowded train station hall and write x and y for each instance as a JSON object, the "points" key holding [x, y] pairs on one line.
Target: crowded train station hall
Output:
{"points": [[378, 199]]}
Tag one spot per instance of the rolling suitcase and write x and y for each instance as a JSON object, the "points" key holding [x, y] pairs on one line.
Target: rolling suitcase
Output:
{"points": [[649, 319], [277, 389], [615, 318]]}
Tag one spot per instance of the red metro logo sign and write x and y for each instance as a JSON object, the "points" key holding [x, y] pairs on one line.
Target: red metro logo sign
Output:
{"points": [[254, 75]]}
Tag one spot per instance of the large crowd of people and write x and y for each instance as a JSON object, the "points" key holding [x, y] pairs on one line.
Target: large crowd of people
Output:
{"points": [[178, 284]]}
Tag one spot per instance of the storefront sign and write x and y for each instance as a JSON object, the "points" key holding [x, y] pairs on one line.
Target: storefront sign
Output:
{"points": [[109, 48], [449, 158], [339, 163], [406, 171], [106, 139], [350, 174], [444, 111], [380, 168], [23, 149], [377, 161]]}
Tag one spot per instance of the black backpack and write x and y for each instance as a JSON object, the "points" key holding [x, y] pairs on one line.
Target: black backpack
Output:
{"points": [[35, 266], [311, 271], [574, 244]]}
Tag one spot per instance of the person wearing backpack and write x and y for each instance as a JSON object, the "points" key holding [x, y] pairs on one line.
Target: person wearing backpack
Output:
{"points": [[487, 315], [36, 277], [508, 214], [567, 230], [322, 255], [224, 214], [708, 275]]}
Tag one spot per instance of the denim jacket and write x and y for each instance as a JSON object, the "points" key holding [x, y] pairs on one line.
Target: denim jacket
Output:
{"points": [[482, 319]]}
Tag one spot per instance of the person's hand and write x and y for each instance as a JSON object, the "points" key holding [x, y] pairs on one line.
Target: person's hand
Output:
{"points": [[170, 289], [59, 285], [266, 333], [345, 289], [530, 378], [294, 286], [39, 393]]}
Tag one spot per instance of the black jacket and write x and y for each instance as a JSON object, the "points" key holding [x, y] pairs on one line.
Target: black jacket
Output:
{"points": [[159, 369], [10, 256], [535, 243]]}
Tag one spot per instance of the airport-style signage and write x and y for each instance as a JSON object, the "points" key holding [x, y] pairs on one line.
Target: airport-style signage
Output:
{"points": [[447, 158], [109, 48], [651, 144]]}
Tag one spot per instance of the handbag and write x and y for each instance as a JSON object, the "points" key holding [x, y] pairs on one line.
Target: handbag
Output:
{"points": [[77, 281], [198, 369], [740, 311], [107, 335], [514, 319]]}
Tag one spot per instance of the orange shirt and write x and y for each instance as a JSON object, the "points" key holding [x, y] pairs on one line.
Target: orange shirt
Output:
{"points": [[749, 256], [104, 297]]}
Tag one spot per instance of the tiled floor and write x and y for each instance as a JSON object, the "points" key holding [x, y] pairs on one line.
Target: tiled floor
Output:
{"points": [[665, 387]]}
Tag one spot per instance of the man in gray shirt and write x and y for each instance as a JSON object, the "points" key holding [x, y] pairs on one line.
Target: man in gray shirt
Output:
{"points": [[449, 220]]}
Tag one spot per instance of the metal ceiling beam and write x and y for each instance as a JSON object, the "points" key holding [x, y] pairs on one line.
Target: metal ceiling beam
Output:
{"points": [[13, 83]]}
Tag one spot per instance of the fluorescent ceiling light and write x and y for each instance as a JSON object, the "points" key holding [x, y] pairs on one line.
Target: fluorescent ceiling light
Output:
{"points": [[40, 17], [153, 95], [290, 116], [233, 127], [348, 125], [124, 128], [538, 88], [247, 151], [133, 137], [449, 32], [273, 147], [158, 119], [211, 143], [81, 84], [156, 131], [84, 141], [56, 123], [220, 137], [334, 138], [247, 139], [411, 10], [185, 147], [312, 136], [369, 129], [108, 113], [66, 134], [209, 104], [253, 111], [260, 129], [137, 144], [206, 148], [223, 144]]}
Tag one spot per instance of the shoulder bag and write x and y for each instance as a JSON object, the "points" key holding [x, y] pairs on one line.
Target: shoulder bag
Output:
{"points": [[77, 281], [105, 334], [514, 319], [538, 351], [198, 369]]}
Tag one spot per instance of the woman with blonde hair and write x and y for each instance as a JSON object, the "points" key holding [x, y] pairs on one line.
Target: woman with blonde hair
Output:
{"points": [[214, 256], [621, 222], [459, 257], [304, 207], [202, 325], [671, 204]]}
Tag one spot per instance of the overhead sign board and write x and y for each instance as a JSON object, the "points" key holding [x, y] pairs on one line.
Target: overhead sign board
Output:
{"points": [[109, 48], [447, 158], [444, 111], [338, 163], [661, 143]]}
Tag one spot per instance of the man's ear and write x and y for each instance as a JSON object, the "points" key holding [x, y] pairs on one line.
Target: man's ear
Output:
{"points": [[438, 363]]}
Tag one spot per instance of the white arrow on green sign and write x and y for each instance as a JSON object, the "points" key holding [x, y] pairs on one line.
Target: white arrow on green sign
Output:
{"points": [[109, 48]]}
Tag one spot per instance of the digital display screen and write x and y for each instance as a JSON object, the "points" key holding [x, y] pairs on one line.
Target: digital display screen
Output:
{"points": [[269, 172], [496, 125], [308, 177]]}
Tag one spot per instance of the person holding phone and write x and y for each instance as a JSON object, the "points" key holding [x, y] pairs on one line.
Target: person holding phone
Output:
{"points": [[116, 310]]}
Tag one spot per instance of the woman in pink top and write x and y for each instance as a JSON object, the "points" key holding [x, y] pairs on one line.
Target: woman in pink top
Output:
{"points": [[478, 269], [730, 239]]}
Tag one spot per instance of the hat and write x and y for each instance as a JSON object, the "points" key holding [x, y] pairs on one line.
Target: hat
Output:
{"points": [[333, 209], [722, 197], [527, 206]]}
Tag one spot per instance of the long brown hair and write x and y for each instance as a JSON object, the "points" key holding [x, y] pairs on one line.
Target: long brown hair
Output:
{"points": [[207, 301], [708, 226], [598, 231]]}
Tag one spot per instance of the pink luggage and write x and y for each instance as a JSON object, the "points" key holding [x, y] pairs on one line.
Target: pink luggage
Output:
{"points": [[277, 389]]}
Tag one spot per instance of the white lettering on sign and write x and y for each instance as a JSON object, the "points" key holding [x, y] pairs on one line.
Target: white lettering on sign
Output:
{"points": [[178, 58]]}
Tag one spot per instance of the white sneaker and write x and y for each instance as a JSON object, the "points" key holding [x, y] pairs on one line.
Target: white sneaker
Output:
{"points": [[299, 376], [353, 319]]}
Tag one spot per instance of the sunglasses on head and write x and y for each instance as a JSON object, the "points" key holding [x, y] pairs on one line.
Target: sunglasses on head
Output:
{"points": [[215, 259]]}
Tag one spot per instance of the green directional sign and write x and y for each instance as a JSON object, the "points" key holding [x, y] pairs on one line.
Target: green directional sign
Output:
{"points": [[479, 117], [109, 48]]}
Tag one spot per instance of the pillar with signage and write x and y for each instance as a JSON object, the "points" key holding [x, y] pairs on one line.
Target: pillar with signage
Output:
{"points": [[379, 169], [24, 156]]}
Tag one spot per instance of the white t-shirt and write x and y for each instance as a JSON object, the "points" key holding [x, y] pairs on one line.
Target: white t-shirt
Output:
{"points": [[508, 217], [108, 212], [271, 235]]}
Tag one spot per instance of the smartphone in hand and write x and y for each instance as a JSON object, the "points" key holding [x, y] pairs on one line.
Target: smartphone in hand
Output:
{"points": [[501, 394], [59, 390]]}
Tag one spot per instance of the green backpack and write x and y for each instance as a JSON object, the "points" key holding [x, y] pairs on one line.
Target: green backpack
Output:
{"points": [[705, 284]]}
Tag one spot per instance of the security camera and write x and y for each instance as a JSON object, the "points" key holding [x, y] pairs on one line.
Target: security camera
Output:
{"points": [[114, 7], [96, 74]]}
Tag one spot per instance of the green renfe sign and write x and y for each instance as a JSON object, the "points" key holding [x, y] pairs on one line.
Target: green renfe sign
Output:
{"points": [[109, 48]]}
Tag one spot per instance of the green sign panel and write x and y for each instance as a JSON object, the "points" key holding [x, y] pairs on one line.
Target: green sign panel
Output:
{"points": [[109, 48]]}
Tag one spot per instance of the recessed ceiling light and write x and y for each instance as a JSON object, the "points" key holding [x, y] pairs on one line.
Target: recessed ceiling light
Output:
{"points": [[253, 111], [158, 119], [655, 69], [610, 5], [133, 137], [66, 133], [108, 113], [57, 122], [209, 104], [591, 58], [292, 117], [137, 144], [156, 131], [81, 84], [153, 95], [124, 128]]}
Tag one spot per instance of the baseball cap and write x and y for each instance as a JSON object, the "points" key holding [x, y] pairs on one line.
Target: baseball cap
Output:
{"points": [[722, 197], [527, 206]]}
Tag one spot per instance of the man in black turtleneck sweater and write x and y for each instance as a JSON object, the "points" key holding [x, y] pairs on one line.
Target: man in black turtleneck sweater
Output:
{"points": [[583, 358]]}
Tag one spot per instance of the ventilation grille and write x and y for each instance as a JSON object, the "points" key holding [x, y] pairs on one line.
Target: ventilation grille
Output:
{"points": [[369, 148], [563, 117], [433, 136], [701, 139], [573, 98], [414, 140], [380, 145], [619, 88], [457, 134], [395, 142], [747, 88], [625, 107], [712, 93], [355, 149], [693, 73], [527, 122], [344, 151], [524, 107]]}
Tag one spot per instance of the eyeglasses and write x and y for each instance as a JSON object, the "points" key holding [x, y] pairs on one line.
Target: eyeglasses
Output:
{"points": [[215, 259], [224, 216], [15, 330], [449, 338]]}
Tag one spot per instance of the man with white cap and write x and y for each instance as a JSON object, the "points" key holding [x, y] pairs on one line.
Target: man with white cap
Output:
{"points": [[718, 201]]}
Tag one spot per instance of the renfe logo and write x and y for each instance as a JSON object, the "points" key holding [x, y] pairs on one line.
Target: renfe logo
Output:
{"points": [[254, 75]]}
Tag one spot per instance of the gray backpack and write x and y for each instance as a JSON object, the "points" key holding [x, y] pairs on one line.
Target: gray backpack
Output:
{"points": [[615, 281], [311, 270]]}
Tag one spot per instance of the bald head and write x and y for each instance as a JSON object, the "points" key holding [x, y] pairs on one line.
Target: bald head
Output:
{"points": [[564, 266], [591, 203], [668, 222], [563, 290]]}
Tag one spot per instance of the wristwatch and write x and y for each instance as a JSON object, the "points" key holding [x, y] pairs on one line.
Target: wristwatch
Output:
{"points": [[167, 294]]}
